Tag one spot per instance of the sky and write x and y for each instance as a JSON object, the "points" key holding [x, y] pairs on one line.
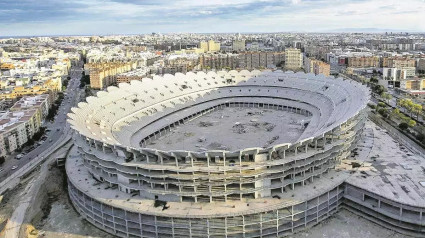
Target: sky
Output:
{"points": [[105, 17]]}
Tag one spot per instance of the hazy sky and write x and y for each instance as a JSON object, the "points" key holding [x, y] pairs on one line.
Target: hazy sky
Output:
{"points": [[54, 17]]}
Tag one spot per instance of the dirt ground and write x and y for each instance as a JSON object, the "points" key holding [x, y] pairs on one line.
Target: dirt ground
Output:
{"points": [[56, 216], [8, 203]]}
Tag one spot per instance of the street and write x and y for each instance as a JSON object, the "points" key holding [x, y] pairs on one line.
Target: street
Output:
{"points": [[57, 127]]}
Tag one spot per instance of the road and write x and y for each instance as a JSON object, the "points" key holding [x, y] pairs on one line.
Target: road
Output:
{"points": [[57, 127]]}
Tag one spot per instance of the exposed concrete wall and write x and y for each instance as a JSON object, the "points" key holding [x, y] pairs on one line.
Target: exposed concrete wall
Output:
{"points": [[276, 222]]}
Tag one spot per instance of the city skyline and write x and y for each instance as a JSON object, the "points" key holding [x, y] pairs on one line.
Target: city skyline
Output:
{"points": [[94, 17]]}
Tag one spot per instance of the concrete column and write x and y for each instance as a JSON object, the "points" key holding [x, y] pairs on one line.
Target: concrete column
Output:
{"points": [[172, 226], [261, 224], [113, 219], [240, 161], [140, 224], [328, 204], [176, 160], [160, 159], [243, 224], [156, 228], [208, 228], [208, 159], [292, 219]]}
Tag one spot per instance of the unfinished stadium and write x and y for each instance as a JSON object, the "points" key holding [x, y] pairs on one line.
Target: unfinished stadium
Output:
{"points": [[223, 154]]}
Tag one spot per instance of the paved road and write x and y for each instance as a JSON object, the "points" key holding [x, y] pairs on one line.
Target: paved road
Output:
{"points": [[58, 126]]}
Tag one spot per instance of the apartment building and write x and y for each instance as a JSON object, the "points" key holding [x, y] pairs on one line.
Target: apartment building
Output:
{"points": [[413, 84], [210, 46], [258, 60], [238, 45], [293, 59], [136, 74], [363, 62], [104, 74], [21, 122], [218, 61], [316, 66], [398, 62], [421, 65], [50, 87], [39, 102]]}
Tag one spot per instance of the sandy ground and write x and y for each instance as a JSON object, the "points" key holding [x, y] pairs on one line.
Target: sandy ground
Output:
{"points": [[234, 128]]}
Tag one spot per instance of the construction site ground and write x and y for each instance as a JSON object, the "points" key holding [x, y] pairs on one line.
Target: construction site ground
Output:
{"points": [[233, 129]]}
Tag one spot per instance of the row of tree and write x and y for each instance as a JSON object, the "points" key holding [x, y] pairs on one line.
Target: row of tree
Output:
{"points": [[410, 107]]}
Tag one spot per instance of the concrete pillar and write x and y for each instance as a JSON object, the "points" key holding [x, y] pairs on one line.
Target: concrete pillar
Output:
{"points": [[243, 224], [240, 161], [176, 160], [208, 159], [140, 224], [156, 227]]}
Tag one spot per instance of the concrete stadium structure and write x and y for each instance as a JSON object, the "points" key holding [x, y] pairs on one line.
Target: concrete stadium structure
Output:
{"points": [[122, 182]]}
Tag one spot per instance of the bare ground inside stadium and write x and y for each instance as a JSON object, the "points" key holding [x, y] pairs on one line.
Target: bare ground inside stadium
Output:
{"points": [[234, 128]]}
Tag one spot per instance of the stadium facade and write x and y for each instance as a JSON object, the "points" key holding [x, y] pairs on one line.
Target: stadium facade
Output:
{"points": [[120, 182]]}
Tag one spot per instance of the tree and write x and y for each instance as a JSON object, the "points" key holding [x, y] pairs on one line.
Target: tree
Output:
{"points": [[420, 137], [379, 89], [412, 123], [387, 97], [383, 112], [417, 108], [373, 80], [396, 111], [403, 126]]}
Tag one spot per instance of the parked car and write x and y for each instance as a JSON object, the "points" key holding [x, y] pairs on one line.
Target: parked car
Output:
{"points": [[14, 167]]}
